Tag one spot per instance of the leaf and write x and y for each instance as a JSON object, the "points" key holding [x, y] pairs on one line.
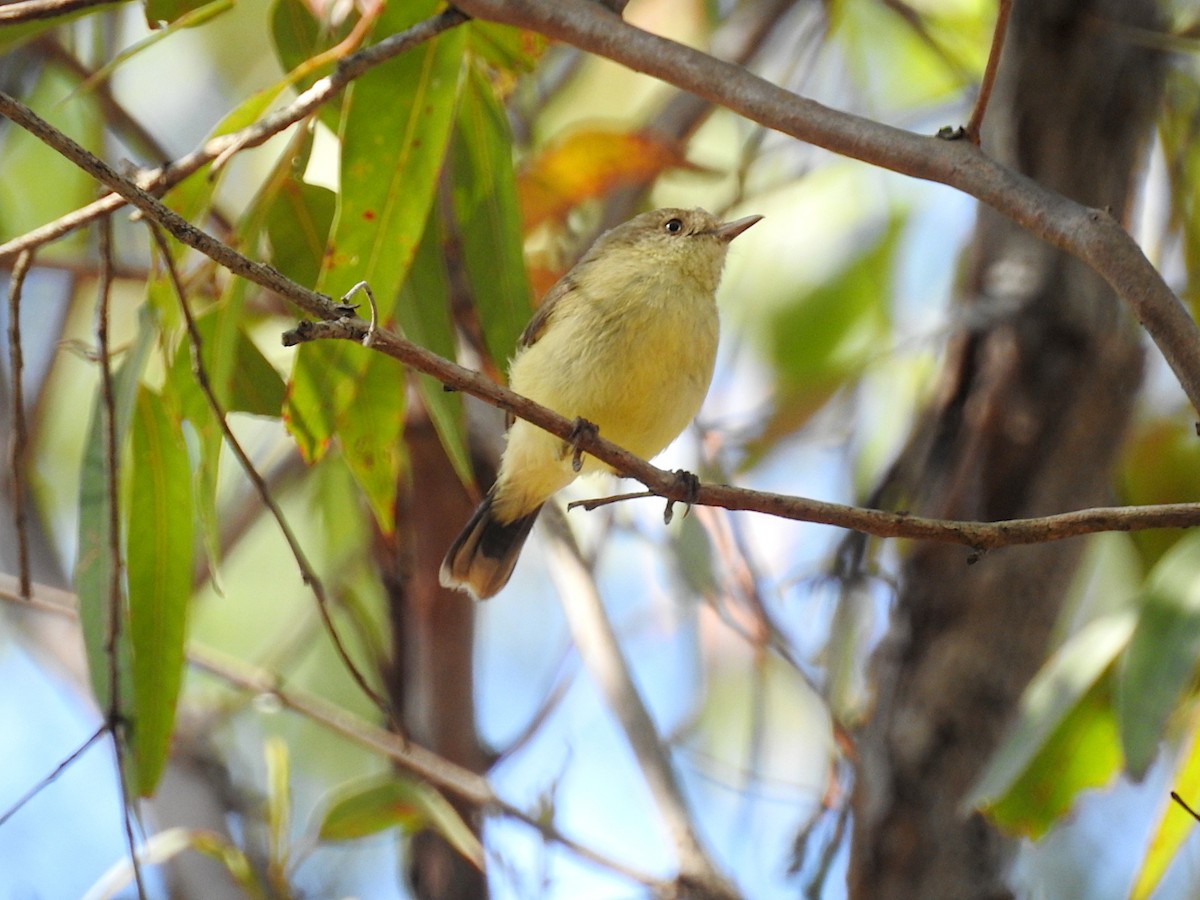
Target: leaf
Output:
{"points": [[94, 564], [279, 806], [377, 804], [1175, 825], [37, 184], [590, 163], [1051, 698], [370, 434], [394, 132], [298, 223], [485, 205], [1160, 464], [182, 12], [1083, 752], [159, 558], [1160, 660], [423, 314]]}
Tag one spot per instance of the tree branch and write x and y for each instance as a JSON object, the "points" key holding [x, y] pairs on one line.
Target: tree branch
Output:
{"points": [[30, 10], [336, 324], [1089, 234]]}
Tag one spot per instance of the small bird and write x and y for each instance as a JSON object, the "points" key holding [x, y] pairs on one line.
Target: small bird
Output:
{"points": [[625, 341]]}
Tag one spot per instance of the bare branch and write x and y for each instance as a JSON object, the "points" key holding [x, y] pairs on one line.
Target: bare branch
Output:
{"points": [[593, 635], [17, 449], [978, 536], [1093, 236], [31, 10], [989, 73]]}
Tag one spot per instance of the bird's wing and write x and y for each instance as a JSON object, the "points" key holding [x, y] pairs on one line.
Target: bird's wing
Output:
{"points": [[537, 325]]}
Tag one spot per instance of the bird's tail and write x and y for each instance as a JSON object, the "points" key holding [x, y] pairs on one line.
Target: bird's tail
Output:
{"points": [[482, 557]]}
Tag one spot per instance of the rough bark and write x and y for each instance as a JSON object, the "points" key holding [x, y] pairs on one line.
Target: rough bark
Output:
{"points": [[433, 629], [1034, 401]]}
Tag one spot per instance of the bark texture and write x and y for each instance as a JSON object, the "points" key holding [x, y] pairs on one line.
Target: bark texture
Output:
{"points": [[433, 630], [1034, 401]]}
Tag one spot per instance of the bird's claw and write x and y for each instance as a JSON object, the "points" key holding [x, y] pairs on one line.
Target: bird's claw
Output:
{"points": [[691, 488], [580, 430]]}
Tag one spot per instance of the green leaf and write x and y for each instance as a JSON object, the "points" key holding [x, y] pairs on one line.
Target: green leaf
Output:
{"points": [[37, 184], [484, 190], [369, 432], [1049, 701], [159, 564], [423, 314], [1175, 825], [394, 132], [1083, 752], [1160, 660], [377, 804], [298, 223], [183, 12], [95, 564]]}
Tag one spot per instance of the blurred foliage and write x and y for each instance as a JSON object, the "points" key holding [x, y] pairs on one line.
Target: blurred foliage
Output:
{"points": [[433, 178]]}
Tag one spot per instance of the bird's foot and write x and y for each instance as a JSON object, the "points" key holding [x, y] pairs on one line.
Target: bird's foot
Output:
{"points": [[690, 484], [579, 431]]}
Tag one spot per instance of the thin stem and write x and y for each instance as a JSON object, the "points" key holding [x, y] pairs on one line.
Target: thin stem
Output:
{"points": [[307, 572], [116, 605], [989, 73], [17, 450], [58, 769]]}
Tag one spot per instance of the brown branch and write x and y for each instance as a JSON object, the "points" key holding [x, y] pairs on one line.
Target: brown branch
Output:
{"points": [[17, 450], [989, 73], [157, 181], [31, 10], [879, 523], [1134, 278], [1093, 236]]}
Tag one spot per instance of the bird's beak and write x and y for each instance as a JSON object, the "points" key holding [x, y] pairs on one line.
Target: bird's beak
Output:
{"points": [[729, 230]]}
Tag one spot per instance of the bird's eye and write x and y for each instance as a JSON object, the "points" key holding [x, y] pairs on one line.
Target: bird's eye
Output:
{"points": [[674, 226]]}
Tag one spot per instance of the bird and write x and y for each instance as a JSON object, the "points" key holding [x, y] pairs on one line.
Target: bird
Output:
{"points": [[625, 341]]}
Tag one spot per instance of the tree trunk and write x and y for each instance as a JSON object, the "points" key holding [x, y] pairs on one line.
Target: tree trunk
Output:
{"points": [[1035, 398], [433, 629]]}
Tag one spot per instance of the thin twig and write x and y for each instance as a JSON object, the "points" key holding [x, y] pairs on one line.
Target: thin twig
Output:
{"points": [[17, 449], [989, 73], [58, 770], [438, 771], [978, 536], [598, 647], [31, 10], [1191, 812], [158, 181], [116, 607], [307, 572]]}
